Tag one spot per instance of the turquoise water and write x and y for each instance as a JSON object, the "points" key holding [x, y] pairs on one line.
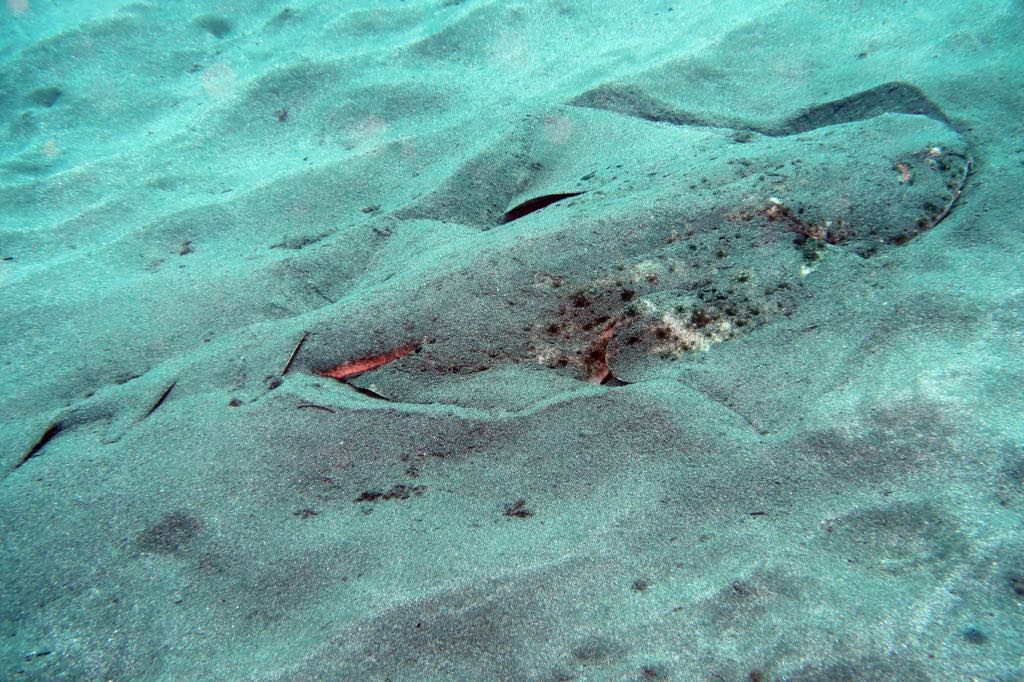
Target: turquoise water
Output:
{"points": [[511, 340]]}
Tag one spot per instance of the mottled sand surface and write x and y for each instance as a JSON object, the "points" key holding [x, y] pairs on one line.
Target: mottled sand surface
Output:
{"points": [[512, 340]]}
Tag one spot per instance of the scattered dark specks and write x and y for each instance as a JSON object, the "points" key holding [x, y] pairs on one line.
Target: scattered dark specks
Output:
{"points": [[186, 248], [741, 588], [655, 671], [399, 491], [170, 534], [518, 510]]}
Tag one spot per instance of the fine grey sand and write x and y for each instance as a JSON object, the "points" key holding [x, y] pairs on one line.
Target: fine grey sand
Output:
{"points": [[468, 339]]}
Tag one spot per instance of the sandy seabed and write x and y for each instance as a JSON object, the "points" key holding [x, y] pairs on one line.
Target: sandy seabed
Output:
{"points": [[512, 340]]}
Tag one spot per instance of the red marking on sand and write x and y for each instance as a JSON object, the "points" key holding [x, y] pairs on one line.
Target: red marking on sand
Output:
{"points": [[597, 358], [351, 368], [905, 175], [776, 212]]}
